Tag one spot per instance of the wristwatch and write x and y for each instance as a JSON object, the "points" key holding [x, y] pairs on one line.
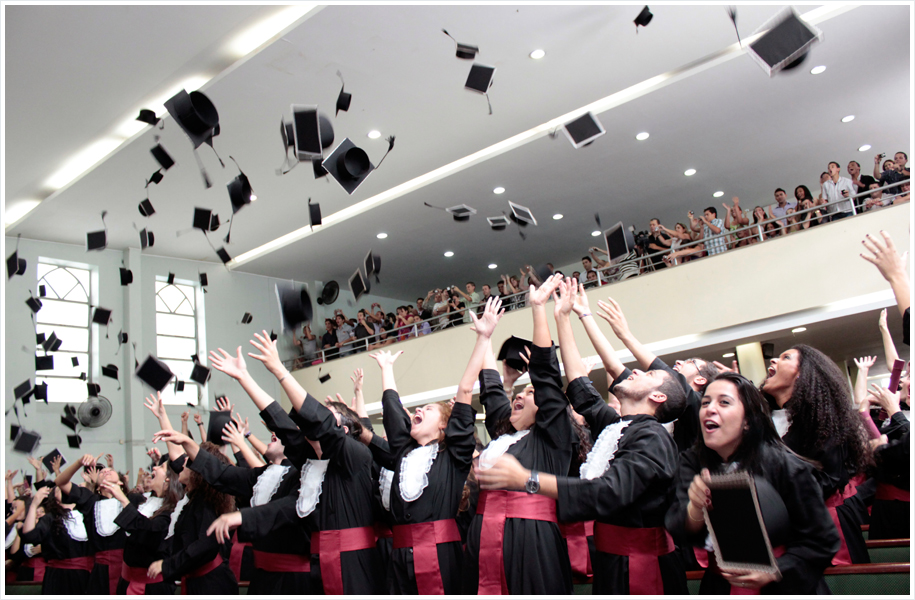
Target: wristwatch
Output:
{"points": [[533, 483]]}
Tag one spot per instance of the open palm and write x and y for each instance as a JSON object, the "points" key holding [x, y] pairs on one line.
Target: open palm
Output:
{"points": [[234, 367]]}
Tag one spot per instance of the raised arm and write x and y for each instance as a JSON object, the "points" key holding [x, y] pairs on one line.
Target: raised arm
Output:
{"points": [[613, 314], [481, 355], [63, 480], [889, 348], [358, 378], [172, 437], [599, 341], [538, 298], [157, 408], [601, 263], [571, 357], [271, 359], [395, 419], [236, 368], [891, 265], [198, 418], [234, 432], [31, 517]]}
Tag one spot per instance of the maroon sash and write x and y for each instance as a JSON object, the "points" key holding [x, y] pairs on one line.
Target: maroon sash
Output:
{"points": [[137, 579], [842, 557], [329, 544], [37, 564], [200, 572], [643, 546], [80, 563], [576, 535], [236, 553], [282, 563], [113, 559], [424, 539], [885, 491]]}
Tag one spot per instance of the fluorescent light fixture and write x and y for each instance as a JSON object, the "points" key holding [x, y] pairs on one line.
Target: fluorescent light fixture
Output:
{"points": [[493, 266], [449, 254], [817, 70], [82, 162], [848, 119], [798, 329], [642, 136], [191, 84], [864, 148], [257, 35], [728, 355], [381, 236], [498, 190], [595, 233], [718, 194], [374, 134], [537, 54], [130, 127], [17, 209], [557, 216], [689, 172]]}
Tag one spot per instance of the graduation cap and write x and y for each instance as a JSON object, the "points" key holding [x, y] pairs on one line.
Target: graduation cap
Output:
{"points": [[357, 284], [40, 338], [156, 177], [110, 371], [42, 291], [498, 223], [324, 378], [74, 360], [179, 386], [459, 213], [643, 19], [343, 98], [223, 255], [511, 351], [240, 192], [273, 336], [583, 130], [49, 459], [200, 374], [218, 420], [93, 389], [27, 441], [22, 389], [203, 279], [154, 373], [41, 392], [203, 219], [349, 165], [14, 431], [14, 264], [44, 363], [314, 213], [34, 304], [312, 132], [171, 279], [247, 318], [147, 239], [69, 418], [785, 43], [102, 316], [620, 241], [74, 441], [465, 51], [198, 118], [52, 343], [122, 337], [480, 80], [148, 116], [318, 168], [521, 214], [46, 482], [162, 157], [372, 265], [127, 274], [295, 306], [146, 208], [98, 240]]}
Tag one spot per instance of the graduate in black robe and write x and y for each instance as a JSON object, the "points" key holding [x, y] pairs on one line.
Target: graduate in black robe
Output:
{"points": [[534, 428], [64, 542], [890, 514], [739, 435], [147, 526]]}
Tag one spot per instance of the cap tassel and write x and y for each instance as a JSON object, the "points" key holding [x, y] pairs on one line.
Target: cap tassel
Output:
{"points": [[488, 102], [209, 143], [732, 12], [390, 141], [206, 178], [229, 234]]}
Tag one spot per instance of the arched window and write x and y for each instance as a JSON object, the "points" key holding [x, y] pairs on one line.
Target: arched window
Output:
{"points": [[177, 338]]}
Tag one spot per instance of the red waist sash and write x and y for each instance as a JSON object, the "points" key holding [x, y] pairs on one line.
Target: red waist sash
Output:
{"points": [[643, 546], [886, 491], [329, 544], [80, 563], [282, 563], [236, 553], [842, 557], [137, 579], [778, 551], [382, 531], [200, 572], [37, 564], [424, 539], [496, 507], [113, 559], [576, 535]]}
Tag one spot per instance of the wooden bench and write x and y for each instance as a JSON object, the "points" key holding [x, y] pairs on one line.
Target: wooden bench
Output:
{"points": [[888, 551]]}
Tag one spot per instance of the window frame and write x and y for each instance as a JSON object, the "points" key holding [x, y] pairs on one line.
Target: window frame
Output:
{"points": [[169, 397]]}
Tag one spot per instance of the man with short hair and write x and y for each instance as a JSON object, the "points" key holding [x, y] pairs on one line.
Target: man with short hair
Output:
{"points": [[711, 225], [329, 340], [781, 207], [422, 307], [861, 182], [837, 190], [658, 241], [487, 294], [345, 336], [893, 171], [472, 297], [586, 263], [875, 199], [442, 305]]}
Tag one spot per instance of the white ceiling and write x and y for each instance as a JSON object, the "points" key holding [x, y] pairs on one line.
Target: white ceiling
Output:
{"points": [[74, 73]]}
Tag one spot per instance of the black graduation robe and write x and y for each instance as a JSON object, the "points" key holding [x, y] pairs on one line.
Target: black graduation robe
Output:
{"points": [[240, 481], [144, 545], [535, 557], [686, 427], [439, 500], [382, 466], [56, 543], [890, 517], [635, 491], [810, 541]]}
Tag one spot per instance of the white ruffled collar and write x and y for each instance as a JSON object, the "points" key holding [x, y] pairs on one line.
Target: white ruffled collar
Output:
{"points": [[781, 421], [385, 479], [76, 527], [311, 481], [11, 537], [267, 484], [414, 471], [499, 446], [106, 511], [175, 514], [603, 451], [149, 508]]}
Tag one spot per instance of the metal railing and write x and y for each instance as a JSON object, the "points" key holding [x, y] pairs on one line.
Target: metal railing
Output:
{"points": [[612, 273]]}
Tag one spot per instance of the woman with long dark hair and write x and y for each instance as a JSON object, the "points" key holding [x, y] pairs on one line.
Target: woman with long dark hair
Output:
{"points": [[824, 428], [64, 543], [738, 434]]}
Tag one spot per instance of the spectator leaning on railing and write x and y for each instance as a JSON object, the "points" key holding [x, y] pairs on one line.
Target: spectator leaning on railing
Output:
{"points": [[861, 182], [893, 171], [836, 191], [711, 226], [782, 205]]}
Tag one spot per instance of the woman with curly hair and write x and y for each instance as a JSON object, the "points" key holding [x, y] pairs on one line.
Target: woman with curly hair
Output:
{"points": [[197, 558], [824, 428], [64, 543]]}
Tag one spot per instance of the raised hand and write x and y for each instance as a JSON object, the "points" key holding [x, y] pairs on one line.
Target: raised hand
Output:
{"points": [[564, 298], [224, 525], [232, 434], [170, 435], [539, 296], [485, 325], [41, 494], [109, 460], [865, 362], [888, 400], [198, 418], [222, 405], [11, 474], [509, 375], [269, 355], [357, 378], [34, 462], [890, 264], [385, 358], [881, 322], [580, 300], [155, 405], [613, 314], [234, 367], [242, 424], [184, 416], [154, 454], [87, 460], [92, 474]]}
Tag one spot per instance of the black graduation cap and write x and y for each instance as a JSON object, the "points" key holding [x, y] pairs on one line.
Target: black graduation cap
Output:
{"points": [[34, 304], [127, 274], [785, 43], [343, 98], [195, 114], [156, 177], [171, 278], [498, 223], [44, 363], [97, 240], [195, 358], [74, 441], [22, 389], [273, 336], [240, 192], [480, 80], [40, 337], [349, 165], [162, 157], [247, 318], [122, 337], [49, 458], [218, 420], [28, 480], [147, 239], [148, 116], [93, 389], [511, 351], [53, 343], [82, 375], [295, 306], [74, 360], [102, 316], [583, 130], [14, 431], [204, 219], [318, 168], [154, 373], [27, 441], [110, 371], [329, 293], [15, 265], [146, 208], [465, 51], [69, 419], [223, 255], [461, 212], [357, 284], [324, 378], [200, 374], [372, 265], [203, 279], [41, 392], [314, 213], [179, 386], [46, 482], [42, 291], [643, 19], [312, 132], [521, 214]]}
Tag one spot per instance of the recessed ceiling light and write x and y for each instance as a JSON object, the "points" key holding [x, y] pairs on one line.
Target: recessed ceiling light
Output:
{"points": [[449, 254], [718, 194], [689, 172], [642, 136], [864, 148], [727, 355], [595, 233], [817, 70], [557, 216], [381, 236], [848, 119], [798, 329], [498, 190], [493, 265], [374, 134], [537, 54]]}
